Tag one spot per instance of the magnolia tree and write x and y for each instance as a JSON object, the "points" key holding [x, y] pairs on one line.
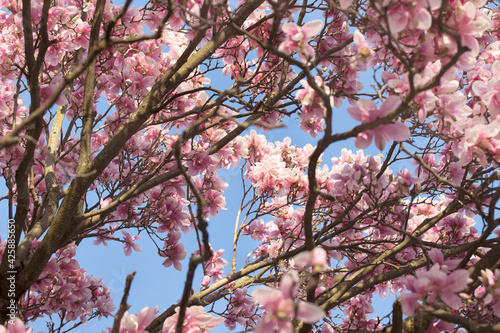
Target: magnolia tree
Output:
{"points": [[111, 129]]}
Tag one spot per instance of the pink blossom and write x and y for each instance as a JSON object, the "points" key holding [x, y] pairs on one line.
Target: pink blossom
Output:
{"points": [[130, 243], [196, 320], [205, 281], [316, 257], [174, 253], [344, 4], [363, 49], [15, 326], [137, 323], [327, 328], [280, 307], [296, 39], [240, 309], [366, 111], [214, 265], [398, 18], [489, 91], [435, 283]]}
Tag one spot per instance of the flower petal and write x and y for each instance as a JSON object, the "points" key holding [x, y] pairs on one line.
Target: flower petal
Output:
{"points": [[309, 312], [312, 28], [398, 131], [390, 104]]}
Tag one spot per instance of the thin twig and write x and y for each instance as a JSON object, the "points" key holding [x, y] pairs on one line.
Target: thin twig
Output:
{"points": [[123, 305]]}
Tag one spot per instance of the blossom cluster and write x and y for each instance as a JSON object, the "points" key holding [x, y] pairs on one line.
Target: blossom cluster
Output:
{"points": [[442, 282]]}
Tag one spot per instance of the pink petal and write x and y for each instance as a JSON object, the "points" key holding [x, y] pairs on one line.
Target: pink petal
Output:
{"points": [[424, 19], [398, 131], [398, 19], [319, 257], [363, 140], [284, 326], [312, 28], [264, 326], [298, 36], [127, 250], [496, 69], [452, 300], [390, 104], [145, 317], [409, 303], [177, 265], [344, 4], [359, 39], [288, 28], [309, 312], [380, 140], [436, 256], [435, 4], [266, 295], [288, 284], [458, 280], [355, 113], [327, 328], [479, 88], [496, 308], [307, 53], [302, 259], [17, 327], [367, 105]]}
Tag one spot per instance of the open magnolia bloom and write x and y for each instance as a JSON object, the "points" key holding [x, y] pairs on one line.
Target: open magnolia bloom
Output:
{"points": [[280, 307]]}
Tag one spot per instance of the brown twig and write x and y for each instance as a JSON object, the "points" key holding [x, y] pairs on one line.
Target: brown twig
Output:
{"points": [[123, 304]]}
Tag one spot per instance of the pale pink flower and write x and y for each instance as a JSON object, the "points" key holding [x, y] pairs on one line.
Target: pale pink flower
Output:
{"points": [[130, 243], [137, 323], [174, 253], [489, 92], [398, 18], [16, 327], [344, 4], [241, 309], [327, 328], [435, 283], [367, 111], [280, 307], [363, 48], [196, 320], [205, 281], [296, 39], [316, 257]]}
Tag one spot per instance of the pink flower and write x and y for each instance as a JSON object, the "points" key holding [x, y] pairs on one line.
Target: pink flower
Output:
{"points": [[196, 320], [296, 39], [366, 111], [137, 323], [489, 92], [280, 307], [316, 257], [430, 285], [240, 309], [174, 253], [344, 4], [17, 326], [129, 243], [398, 18], [363, 49], [205, 281]]}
